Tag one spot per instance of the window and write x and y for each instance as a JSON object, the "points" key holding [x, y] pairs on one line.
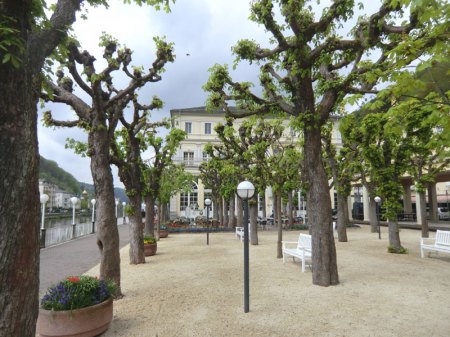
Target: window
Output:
{"points": [[189, 200], [188, 127], [188, 158], [205, 156], [207, 128]]}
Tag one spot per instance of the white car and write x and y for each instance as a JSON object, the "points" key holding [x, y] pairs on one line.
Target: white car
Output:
{"points": [[443, 213]]}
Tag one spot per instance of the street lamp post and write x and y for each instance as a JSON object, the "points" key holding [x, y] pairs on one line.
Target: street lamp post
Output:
{"points": [[245, 191], [43, 198], [378, 200], [74, 201], [93, 201], [117, 203], [123, 211], [208, 204]]}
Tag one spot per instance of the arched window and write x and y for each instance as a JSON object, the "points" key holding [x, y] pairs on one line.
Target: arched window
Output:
{"points": [[189, 199]]}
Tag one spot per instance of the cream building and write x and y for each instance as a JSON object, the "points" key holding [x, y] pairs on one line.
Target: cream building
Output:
{"points": [[199, 126]]}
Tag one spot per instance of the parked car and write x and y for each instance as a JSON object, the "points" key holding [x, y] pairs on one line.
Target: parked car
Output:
{"points": [[443, 213]]}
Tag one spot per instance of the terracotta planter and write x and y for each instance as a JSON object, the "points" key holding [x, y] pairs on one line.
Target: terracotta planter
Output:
{"points": [[85, 322], [163, 233], [150, 249]]}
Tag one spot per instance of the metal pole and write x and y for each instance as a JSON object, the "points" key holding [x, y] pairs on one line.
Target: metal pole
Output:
{"points": [[246, 257], [73, 221], [207, 224], [378, 219], [448, 209], [93, 218], [42, 241]]}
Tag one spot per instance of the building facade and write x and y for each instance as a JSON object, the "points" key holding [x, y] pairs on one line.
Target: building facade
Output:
{"points": [[199, 125]]}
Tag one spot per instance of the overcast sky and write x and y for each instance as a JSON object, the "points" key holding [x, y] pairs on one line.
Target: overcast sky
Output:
{"points": [[203, 32]]}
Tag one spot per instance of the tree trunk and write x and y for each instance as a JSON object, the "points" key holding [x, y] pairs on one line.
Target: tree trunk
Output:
{"points": [[107, 234], [215, 204], [253, 211], [373, 216], [220, 210], [149, 227], [394, 237], [423, 213], [19, 201], [277, 214], [290, 208], [239, 211], [225, 213], [136, 251], [324, 261], [341, 217], [232, 217]]}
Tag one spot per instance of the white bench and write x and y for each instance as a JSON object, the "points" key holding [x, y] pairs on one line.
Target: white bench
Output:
{"points": [[240, 233], [302, 249], [441, 243]]}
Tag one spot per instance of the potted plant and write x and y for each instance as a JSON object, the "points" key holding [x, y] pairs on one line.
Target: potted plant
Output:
{"points": [[150, 245], [163, 231], [76, 306]]}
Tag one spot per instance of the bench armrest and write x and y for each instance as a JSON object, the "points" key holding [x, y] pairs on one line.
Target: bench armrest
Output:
{"points": [[285, 243], [427, 240]]}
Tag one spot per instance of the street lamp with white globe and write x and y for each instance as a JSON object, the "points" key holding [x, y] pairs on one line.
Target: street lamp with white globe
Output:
{"points": [[207, 204], [245, 191], [93, 201], [123, 211], [378, 201], [43, 199], [74, 201]]}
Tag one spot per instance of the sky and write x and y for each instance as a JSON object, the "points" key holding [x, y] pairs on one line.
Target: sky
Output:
{"points": [[203, 32]]}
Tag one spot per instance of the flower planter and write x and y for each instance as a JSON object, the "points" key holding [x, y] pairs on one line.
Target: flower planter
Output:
{"points": [[150, 249], [85, 322], [163, 233]]}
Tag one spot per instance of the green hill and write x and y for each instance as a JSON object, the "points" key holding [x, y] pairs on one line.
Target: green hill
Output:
{"points": [[52, 173]]}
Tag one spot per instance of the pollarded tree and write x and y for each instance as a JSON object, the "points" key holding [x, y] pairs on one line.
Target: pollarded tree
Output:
{"points": [[153, 170], [211, 178], [422, 101], [174, 179], [99, 118], [309, 71], [341, 170], [28, 35], [127, 146]]}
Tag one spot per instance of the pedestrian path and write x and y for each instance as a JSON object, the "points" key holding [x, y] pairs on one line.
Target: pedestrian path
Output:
{"points": [[73, 257]]}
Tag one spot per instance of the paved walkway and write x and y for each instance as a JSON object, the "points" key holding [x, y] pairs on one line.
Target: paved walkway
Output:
{"points": [[73, 257]]}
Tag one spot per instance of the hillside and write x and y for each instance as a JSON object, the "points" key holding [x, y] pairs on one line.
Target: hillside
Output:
{"points": [[52, 173]]}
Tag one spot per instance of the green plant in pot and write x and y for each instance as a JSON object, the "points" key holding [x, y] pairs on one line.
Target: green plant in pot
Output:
{"points": [[150, 245], [77, 305]]}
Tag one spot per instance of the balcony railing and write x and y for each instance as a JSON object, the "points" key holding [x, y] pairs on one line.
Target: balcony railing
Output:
{"points": [[188, 162]]}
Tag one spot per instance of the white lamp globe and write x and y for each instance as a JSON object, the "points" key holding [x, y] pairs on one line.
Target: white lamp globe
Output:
{"points": [[245, 190]]}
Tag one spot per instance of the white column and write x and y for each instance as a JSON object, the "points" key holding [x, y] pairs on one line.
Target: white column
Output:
{"points": [[350, 207], [366, 204]]}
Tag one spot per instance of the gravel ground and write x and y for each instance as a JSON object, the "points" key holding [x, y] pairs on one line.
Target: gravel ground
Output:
{"points": [[191, 289]]}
